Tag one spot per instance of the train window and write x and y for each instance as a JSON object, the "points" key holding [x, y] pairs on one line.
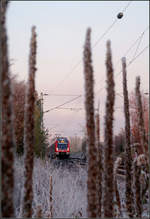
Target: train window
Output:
{"points": [[62, 140]]}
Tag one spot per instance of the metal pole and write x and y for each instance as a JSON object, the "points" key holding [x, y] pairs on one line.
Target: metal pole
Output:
{"points": [[42, 110]]}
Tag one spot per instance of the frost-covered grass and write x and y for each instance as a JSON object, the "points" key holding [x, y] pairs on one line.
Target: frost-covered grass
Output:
{"points": [[69, 189], [145, 211]]}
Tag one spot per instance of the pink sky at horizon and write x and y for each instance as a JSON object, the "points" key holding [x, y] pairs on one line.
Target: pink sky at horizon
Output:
{"points": [[61, 29]]}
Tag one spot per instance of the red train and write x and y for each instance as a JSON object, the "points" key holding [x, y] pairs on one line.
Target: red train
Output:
{"points": [[62, 147]]}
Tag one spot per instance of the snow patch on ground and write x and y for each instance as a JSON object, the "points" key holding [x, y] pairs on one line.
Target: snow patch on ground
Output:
{"points": [[69, 189]]}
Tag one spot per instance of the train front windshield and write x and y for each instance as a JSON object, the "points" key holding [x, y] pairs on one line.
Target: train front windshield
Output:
{"points": [[62, 143]]}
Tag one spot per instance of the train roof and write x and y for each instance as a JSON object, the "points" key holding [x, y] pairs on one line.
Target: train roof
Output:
{"points": [[62, 138]]}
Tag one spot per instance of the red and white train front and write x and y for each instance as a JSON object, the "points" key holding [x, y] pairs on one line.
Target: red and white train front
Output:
{"points": [[62, 147]]}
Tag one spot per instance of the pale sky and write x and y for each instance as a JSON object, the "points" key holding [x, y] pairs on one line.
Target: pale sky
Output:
{"points": [[61, 28]]}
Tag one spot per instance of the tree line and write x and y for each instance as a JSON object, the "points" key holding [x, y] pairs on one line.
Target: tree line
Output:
{"points": [[40, 133]]}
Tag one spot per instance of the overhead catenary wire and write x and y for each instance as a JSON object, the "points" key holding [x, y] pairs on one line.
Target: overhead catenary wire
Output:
{"points": [[132, 45], [110, 27], [134, 57], [64, 95], [95, 44], [64, 103], [140, 40], [130, 62], [125, 8], [69, 108]]}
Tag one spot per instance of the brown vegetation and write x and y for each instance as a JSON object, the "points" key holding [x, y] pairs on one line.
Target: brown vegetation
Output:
{"points": [[143, 139], [134, 117], [18, 106], [38, 211], [90, 126], [29, 129], [95, 180], [116, 165], [137, 187], [7, 126], [108, 138], [50, 195], [99, 160], [128, 159]]}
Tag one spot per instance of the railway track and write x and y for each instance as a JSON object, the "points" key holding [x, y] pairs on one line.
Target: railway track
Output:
{"points": [[70, 162], [73, 162]]}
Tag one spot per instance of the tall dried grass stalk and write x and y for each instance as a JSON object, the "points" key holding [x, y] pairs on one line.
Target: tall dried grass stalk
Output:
{"points": [[144, 146], [97, 125], [90, 126], [108, 150], [7, 127], [50, 196], [143, 164], [140, 117], [29, 129], [99, 160], [128, 159], [38, 212], [137, 188], [116, 166]]}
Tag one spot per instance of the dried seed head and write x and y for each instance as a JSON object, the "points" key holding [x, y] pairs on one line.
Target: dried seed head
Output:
{"points": [[50, 195], [108, 153], [143, 140], [128, 159], [7, 126], [90, 126], [29, 129], [38, 211]]}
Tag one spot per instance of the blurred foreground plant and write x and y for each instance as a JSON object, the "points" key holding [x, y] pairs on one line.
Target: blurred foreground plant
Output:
{"points": [[90, 126], [108, 138], [128, 159], [29, 129], [7, 126]]}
